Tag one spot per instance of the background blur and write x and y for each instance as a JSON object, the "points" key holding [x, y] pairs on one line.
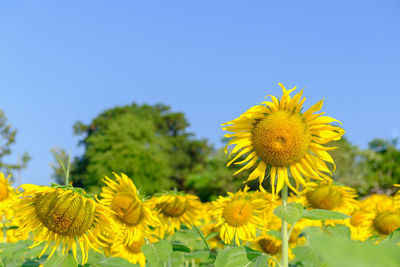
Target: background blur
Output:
{"points": [[205, 63]]}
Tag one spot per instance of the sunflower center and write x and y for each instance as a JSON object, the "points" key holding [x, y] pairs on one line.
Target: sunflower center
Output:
{"points": [[387, 222], [65, 213], [174, 208], [357, 218], [282, 138], [269, 246], [3, 191], [325, 197], [128, 208], [135, 246], [238, 212]]}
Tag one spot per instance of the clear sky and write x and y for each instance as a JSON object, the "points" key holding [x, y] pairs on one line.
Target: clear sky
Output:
{"points": [[63, 61]]}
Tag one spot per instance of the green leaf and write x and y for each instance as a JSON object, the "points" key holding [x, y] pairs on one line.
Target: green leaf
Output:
{"points": [[291, 214], [394, 237], [338, 252], [116, 262], [339, 230], [61, 261], [180, 247], [319, 214], [157, 253], [240, 256], [307, 256], [177, 258]]}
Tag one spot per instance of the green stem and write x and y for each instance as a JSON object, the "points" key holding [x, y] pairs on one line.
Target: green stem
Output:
{"points": [[284, 229], [67, 174]]}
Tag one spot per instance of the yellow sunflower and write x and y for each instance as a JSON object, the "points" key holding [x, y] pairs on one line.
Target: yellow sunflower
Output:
{"points": [[63, 215], [360, 224], [271, 246], [276, 136], [130, 251], [7, 197], [130, 211], [239, 215], [329, 196], [175, 209], [386, 214]]}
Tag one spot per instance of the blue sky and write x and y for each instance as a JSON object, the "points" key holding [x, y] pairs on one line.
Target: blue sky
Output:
{"points": [[63, 61]]}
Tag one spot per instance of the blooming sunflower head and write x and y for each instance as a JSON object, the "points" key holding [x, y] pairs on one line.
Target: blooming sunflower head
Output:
{"points": [[174, 209], [130, 212], [62, 215], [7, 196], [130, 251], [329, 196], [359, 224], [278, 137], [239, 215]]}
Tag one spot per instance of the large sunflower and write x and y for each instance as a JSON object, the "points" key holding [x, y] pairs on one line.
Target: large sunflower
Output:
{"points": [[62, 215], [239, 215], [7, 196], [276, 135], [131, 212], [175, 209]]}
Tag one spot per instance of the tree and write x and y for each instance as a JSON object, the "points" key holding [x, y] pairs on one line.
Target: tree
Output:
{"points": [[148, 143], [7, 138]]}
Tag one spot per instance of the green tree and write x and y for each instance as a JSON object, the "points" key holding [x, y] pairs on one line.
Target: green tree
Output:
{"points": [[7, 138], [148, 143]]}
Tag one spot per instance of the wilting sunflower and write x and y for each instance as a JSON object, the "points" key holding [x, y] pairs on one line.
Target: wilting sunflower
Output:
{"points": [[329, 196], [7, 197], [62, 215], [130, 251], [131, 212], [276, 136], [175, 209], [239, 215]]}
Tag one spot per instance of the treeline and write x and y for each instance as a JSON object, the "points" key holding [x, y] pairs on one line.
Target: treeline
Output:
{"points": [[151, 143]]}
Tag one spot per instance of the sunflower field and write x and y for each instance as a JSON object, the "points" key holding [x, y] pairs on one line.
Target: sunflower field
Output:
{"points": [[303, 218]]}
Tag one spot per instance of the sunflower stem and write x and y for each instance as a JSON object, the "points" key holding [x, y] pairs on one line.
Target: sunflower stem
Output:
{"points": [[284, 230]]}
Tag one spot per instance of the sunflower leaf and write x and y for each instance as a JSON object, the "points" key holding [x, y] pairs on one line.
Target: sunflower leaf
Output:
{"points": [[291, 213], [320, 214]]}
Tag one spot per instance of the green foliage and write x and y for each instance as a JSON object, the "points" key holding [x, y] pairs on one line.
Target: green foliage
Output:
{"points": [[61, 261], [295, 211], [291, 213], [157, 253], [148, 143], [373, 170], [240, 256], [7, 138]]}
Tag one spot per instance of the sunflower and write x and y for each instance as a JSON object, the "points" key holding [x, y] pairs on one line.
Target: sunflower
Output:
{"points": [[329, 196], [130, 211], [63, 215], [386, 213], [271, 246], [130, 251], [360, 224], [7, 197], [276, 136], [239, 215], [175, 209]]}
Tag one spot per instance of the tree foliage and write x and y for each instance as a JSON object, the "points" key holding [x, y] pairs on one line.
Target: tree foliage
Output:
{"points": [[148, 143], [7, 138]]}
